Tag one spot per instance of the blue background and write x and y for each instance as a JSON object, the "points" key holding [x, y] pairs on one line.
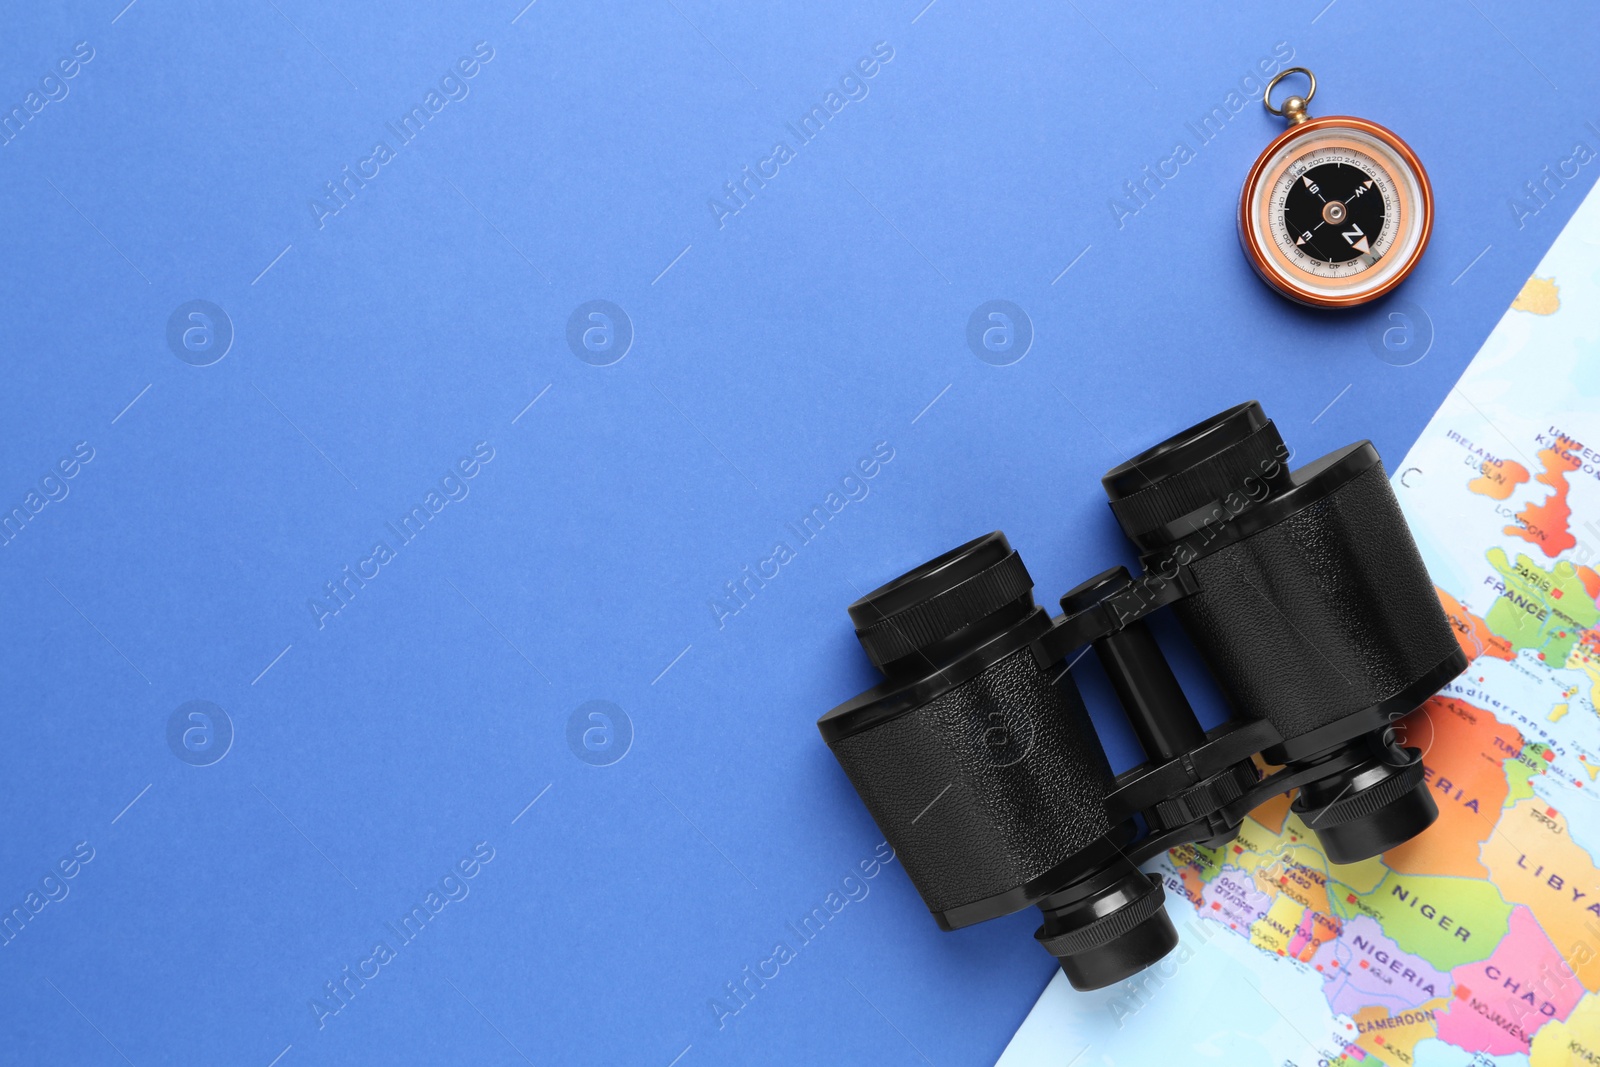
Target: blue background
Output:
{"points": [[770, 354]]}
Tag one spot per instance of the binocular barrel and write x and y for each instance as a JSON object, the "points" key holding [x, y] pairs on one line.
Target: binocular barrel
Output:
{"points": [[1304, 592]]}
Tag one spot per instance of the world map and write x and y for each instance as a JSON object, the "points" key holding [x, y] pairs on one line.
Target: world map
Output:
{"points": [[1479, 941]]}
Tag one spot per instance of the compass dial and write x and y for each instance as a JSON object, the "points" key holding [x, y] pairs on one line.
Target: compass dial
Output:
{"points": [[1335, 212], [1334, 206]]}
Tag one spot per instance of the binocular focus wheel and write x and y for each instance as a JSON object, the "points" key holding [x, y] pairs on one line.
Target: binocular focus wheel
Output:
{"points": [[1214, 793]]}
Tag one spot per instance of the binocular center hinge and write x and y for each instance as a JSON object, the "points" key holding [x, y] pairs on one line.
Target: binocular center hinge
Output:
{"points": [[1106, 605]]}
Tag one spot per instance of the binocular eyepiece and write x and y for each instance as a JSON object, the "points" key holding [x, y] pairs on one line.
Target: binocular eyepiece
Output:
{"points": [[1303, 591]]}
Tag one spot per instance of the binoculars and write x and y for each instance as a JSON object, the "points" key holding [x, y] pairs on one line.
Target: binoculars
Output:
{"points": [[1302, 590]]}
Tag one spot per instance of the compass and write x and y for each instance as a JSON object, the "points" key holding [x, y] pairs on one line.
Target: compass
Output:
{"points": [[1337, 210]]}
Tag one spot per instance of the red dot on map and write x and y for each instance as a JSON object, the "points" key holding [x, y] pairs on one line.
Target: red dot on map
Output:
{"points": [[1379, 1039], [1216, 905], [1462, 992], [1350, 898], [1541, 655], [1319, 966], [1363, 964], [1550, 812], [1548, 755]]}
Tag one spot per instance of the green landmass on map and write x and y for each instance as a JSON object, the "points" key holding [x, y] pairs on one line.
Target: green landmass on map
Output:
{"points": [[1521, 771], [1545, 611], [1447, 920]]}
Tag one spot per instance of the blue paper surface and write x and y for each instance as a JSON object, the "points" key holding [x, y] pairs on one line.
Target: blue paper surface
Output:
{"points": [[544, 664]]}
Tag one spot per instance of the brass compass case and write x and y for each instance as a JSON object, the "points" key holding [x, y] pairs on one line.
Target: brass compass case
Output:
{"points": [[1337, 210]]}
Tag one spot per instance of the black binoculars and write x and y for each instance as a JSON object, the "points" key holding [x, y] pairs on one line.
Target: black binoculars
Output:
{"points": [[1303, 591]]}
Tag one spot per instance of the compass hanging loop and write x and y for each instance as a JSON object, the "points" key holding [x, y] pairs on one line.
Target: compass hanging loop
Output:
{"points": [[1294, 108]]}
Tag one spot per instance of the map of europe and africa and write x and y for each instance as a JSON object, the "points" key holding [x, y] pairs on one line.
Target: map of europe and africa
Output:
{"points": [[1479, 941]]}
